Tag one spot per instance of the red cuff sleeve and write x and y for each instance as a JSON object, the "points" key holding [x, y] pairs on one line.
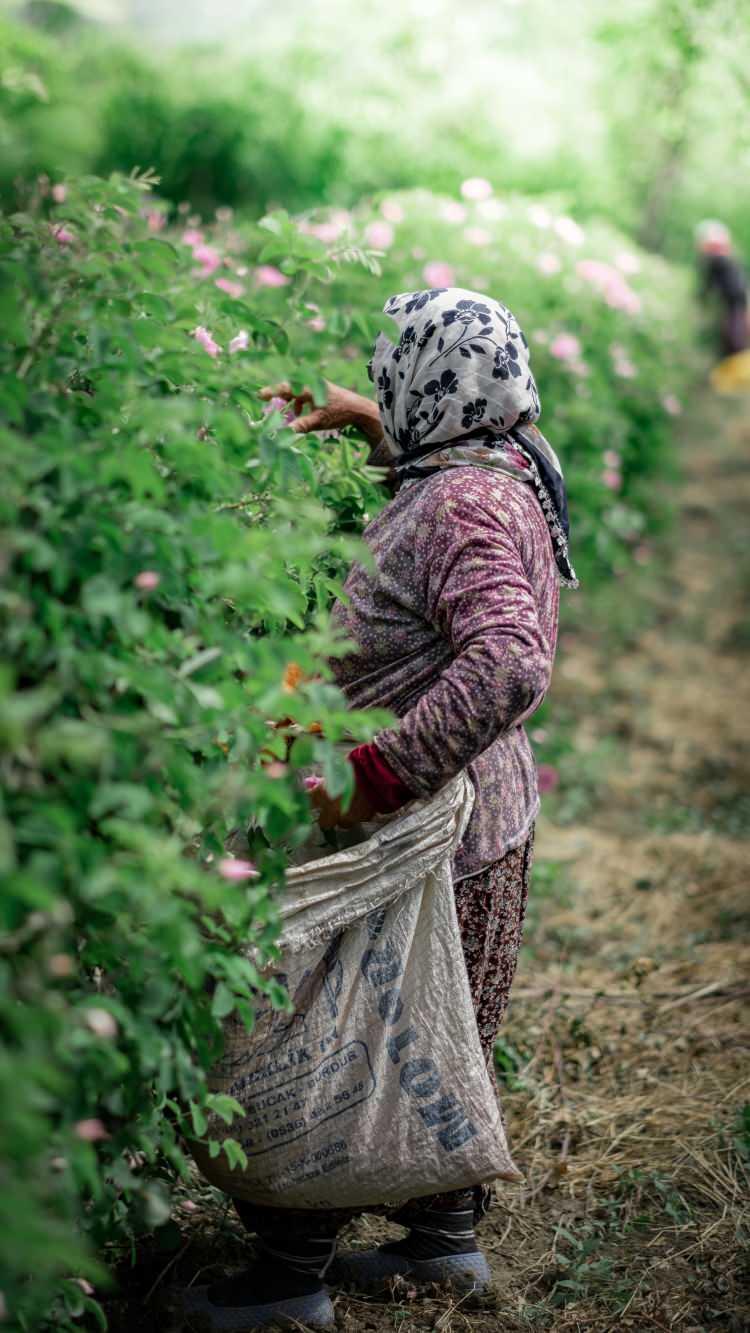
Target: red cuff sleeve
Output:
{"points": [[377, 780]]}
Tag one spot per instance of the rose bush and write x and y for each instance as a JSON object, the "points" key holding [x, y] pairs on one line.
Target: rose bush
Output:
{"points": [[168, 552]]}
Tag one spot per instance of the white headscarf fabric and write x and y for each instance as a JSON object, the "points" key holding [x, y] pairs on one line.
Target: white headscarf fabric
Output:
{"points": [[456, 390]]}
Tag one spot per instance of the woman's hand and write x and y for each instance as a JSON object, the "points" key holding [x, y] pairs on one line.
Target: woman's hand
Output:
{"points": [[342, 408], [330, 813]]}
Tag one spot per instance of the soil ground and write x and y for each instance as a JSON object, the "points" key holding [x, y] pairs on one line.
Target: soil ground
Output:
{"points": [[624, 1061]]}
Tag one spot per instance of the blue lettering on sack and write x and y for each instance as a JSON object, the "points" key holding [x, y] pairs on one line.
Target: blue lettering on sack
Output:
{"points": [[419, 1076]]}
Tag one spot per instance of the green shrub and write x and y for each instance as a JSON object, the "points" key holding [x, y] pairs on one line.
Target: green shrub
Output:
{"points": [[167, 558]]}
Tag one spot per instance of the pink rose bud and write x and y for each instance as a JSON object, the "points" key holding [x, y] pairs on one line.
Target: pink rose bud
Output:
{"points": [[312, 782], [611, 479], [63, 235], [101, 1022], [187, 1206], [548, 264], [475, 188], [611, 458], [203, 337], [240, 342], [317, 323], [392, 212], [148, 579], [267, 275], [565, 347], [191, 236], [233, 289], [235, 869], [452, 211], [569, 231], [155, 220], [59, 193], [379, 235], [438, 274], [477, 236], [539, 216], [90, 1131]]}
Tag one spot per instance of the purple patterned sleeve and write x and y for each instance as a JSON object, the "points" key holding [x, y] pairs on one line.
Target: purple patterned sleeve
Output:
{"points": [[478, 596]]}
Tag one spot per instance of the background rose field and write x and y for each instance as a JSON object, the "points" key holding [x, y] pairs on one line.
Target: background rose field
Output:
{"points": [[171, 548]]}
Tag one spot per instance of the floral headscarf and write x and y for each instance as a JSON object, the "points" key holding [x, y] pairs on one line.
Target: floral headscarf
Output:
{"points": [[456, 391]]}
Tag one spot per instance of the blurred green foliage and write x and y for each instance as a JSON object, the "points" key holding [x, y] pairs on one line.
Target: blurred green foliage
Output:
{"points": [[639, 117]]}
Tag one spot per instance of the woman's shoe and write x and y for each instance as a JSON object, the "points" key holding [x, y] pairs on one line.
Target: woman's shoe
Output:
{"points": [[367, 1269], [201, 1314]]}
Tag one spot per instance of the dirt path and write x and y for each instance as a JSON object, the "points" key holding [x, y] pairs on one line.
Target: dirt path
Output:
{"points": [[624, 1061]]}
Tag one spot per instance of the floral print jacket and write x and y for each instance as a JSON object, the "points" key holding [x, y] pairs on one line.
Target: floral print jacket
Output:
{"points": [[455, 630]]}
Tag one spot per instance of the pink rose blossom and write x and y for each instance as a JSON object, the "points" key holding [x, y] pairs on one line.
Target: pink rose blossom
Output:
{"points": [[548, 264], [275, 769], [548, 778], [492, 210], [240, 342], [611, 458], [438, 274], [476, 188], [208, 258], [539, 216], [155, 220], [392, 212], [312, 782], [627, 263], [234, 289], [59, 193], [565, 347], [610, 284], [191, 236], [63, 235], [233, 868], [203, 337], [188, 1206], [148, 579], [611, 479], [569, 231], [267, 275], [317, 324], [101, 1022], [90, 1131], [380, 235], [671, 404], [477, 236], [452, 211]]}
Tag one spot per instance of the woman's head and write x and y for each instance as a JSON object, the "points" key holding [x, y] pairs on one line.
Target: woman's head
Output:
{"points": [[460, 367]]}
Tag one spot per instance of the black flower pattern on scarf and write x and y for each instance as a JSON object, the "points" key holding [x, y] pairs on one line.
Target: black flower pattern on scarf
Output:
{"points": [[406, 343], [428, 333], [437, 389], [466, 312], [385, 388], [418, 300], [506, 362], [473, 412]]}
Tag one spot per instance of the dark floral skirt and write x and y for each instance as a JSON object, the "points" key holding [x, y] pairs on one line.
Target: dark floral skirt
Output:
{"points": [[490, 907]]}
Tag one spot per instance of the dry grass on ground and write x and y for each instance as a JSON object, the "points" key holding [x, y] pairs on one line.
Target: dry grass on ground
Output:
{"points": [[624, 1060]]}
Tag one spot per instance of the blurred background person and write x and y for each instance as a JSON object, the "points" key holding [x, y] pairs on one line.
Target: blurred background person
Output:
{"points": [[723, 279]]}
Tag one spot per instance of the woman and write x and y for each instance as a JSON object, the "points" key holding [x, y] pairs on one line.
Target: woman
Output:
{"points": [[455, 628]]}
